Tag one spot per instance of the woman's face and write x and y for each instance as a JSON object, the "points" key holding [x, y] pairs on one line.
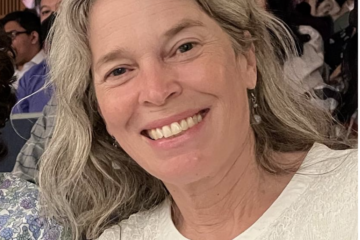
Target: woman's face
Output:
{"points": [[47, 7], [159, 66]]}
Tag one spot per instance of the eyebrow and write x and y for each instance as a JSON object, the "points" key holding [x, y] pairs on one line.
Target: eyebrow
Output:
{"points": [[184, 24]]}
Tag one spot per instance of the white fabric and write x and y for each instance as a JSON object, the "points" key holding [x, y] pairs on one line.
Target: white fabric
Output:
{"points": [[307, 70], [38, 58], [319, 203]]}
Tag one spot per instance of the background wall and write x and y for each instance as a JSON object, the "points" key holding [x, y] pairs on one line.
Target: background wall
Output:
{"points": [[7, 6]]}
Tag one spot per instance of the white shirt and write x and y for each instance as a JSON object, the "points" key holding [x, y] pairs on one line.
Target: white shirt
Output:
{"points": [[34, 61], [319, 203]]}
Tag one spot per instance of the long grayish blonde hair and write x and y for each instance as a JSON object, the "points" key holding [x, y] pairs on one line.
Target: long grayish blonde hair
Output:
{"points": [[78, 182]]}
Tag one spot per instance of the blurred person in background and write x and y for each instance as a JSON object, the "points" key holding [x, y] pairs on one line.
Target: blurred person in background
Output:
{"points": [[34, 79], [335, 47], [347, 111], [27, 161], [26, 165], [307, 67], [47, 7], [302, 16], [7, 95], [24, 29], [333, 8], [32, 94], [20, 216]]}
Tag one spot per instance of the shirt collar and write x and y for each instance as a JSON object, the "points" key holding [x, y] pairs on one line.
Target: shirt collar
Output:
{"points": [[38, 57]]}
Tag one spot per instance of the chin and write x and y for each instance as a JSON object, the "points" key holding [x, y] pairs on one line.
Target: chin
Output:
{"points": [[182, 170]]}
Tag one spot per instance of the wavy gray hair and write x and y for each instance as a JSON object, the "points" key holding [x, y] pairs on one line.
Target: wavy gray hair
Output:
{"points": [[78, 182]]}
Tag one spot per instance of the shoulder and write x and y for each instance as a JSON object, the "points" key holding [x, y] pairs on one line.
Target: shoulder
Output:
{"points": [[38, 69], [20, 214], [141, 225], [38, 72], [324, 198], [338, 165], [337, 160], [333, 186]]}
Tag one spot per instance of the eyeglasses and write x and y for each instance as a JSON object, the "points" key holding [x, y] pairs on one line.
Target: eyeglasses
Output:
{"points": [[13, 34]]}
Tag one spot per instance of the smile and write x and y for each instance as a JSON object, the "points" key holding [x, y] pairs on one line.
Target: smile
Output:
{"points": [[175, 128]]}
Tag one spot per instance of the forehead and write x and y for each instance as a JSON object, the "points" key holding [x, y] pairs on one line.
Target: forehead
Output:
{"points": [[129, 16], [134, 23], [12, 25], [49, 3]]}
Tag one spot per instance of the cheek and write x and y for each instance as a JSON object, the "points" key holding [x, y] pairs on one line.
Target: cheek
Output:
{"points": [[43, 17], [115, 108], [15, 44], [209, 74], [22, 45]]}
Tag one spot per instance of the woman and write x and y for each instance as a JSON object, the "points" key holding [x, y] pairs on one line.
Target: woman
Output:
{"points": [[176, 123], [20, 216]]}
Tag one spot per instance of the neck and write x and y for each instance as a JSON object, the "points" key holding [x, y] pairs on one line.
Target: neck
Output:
{"points": [[20, 67], [223, 206], [32, 53]]}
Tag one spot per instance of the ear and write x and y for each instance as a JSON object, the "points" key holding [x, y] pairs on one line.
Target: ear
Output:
{"points": [[35, 38], [250, 64]]}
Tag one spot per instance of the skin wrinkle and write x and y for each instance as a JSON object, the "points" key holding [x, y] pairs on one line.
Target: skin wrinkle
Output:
{"points": [[219, 77], [203, 223], [293, 126], [125, 53], [290, 123], [218, 54]]}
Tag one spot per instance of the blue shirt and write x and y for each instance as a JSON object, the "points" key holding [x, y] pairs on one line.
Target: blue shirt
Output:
{"points": [[30, 83]]}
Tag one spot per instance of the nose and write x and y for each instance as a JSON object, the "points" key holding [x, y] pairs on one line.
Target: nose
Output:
{"points": [[159, 84]]}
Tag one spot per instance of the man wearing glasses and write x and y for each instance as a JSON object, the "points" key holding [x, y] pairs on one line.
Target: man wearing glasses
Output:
{"points": [[25, 30]]}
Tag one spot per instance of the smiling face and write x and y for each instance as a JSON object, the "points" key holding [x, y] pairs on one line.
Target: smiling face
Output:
{"points": [[160, 67]]}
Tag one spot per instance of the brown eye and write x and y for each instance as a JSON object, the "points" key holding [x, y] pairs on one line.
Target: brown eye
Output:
{"points": [[45, 12], [186, 47], [118, 72]]}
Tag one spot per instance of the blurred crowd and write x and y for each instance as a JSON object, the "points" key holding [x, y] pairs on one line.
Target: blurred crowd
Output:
{"points": [[324, 69], [325, 32], [28, 30]]}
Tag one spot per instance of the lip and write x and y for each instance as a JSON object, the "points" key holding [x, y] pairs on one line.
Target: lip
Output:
{"points": [[169, 120]]}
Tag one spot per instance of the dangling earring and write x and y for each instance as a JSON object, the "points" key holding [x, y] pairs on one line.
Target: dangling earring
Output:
{"points": [[255, 105], [115, 143]]}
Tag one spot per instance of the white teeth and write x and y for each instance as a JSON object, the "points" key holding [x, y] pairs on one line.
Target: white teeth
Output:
{"points": [[167, 131], [184, 125], [174, 128], [153, 133], [199, 118], [190, 122], [159, 133]]}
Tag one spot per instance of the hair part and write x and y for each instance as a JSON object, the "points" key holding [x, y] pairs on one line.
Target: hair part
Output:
{"points": [[78, 181]]}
